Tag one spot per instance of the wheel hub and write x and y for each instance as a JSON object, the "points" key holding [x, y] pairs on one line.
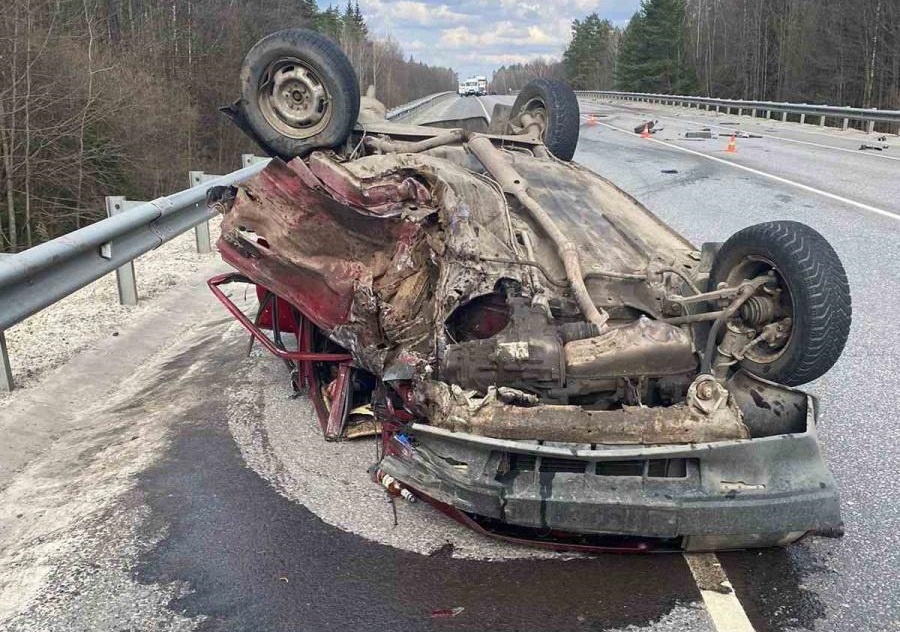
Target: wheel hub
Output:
{"points": [[293, 99], [766, 318]]}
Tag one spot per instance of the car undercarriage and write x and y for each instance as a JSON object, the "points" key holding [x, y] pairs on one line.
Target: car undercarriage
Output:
{"points": [[542, 357]]}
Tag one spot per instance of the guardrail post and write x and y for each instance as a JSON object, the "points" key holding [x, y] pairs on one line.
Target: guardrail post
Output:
{"points": [[125, 279], [822, 121], [768, 114], [6, 377], [845, 124], [784, 117], [201, 230], [753, 112], [250, 159], [802, 118], [870, 127]]}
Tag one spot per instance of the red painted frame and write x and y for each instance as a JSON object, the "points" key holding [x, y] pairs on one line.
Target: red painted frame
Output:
{"points": [[331, 420]]}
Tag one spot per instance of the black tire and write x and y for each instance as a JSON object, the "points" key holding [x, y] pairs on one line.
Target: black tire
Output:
{"points": [[818, 293], [318, 82], [561, 111]]}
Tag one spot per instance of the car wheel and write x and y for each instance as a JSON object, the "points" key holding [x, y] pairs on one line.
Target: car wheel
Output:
{"points": [[555, 105], [801, 319], [299, 92]]}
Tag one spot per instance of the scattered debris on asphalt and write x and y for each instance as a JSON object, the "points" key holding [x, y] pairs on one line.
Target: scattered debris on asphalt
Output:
{"points": [[446, 613]]}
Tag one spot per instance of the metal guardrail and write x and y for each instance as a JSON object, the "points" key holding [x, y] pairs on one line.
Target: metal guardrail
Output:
{"points": [[737, 106], [40, 276], [414, 106]]}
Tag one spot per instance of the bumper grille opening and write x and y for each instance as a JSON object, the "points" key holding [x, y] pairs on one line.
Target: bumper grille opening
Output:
{"points": [[513, 462], [620, 468], [667, 468], [556, 464], [522, 462]]}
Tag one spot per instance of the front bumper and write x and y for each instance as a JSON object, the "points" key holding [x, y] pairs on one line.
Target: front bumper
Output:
{"points": [[765, 491]]}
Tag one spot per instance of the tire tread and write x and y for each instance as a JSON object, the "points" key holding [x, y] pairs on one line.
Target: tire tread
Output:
{"points": [[563, 116], [819, 285]]}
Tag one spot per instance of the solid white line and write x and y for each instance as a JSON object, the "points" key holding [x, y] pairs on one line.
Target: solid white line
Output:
{"points": [[869, 154], [793, 183], [483, 109], [722, 604]]}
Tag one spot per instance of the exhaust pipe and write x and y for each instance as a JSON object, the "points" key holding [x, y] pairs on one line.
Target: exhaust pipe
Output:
{"points": [[514, 184]]}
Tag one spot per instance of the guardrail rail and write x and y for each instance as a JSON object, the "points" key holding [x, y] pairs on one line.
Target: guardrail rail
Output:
{"points": [[870, 116], [415, 106], [40, 276]]}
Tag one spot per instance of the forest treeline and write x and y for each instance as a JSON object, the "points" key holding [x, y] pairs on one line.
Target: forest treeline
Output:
{"points": [[839, 52], [101, 97]]}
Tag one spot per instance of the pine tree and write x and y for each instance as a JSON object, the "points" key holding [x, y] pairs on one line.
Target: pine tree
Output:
{"points": [[329, 22], [360, 21], [590, 55], [652, 56], [309, 12]]}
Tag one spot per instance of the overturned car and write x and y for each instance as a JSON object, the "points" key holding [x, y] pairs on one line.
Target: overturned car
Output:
{"points": [[543, 358]]}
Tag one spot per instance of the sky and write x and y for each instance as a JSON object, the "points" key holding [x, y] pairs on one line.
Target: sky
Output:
{"points": [[476, 36]]}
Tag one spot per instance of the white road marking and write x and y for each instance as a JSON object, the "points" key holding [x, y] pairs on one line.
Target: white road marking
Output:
{"points": [[722, 604], [871, 154], [483, 109], [793, 183]]}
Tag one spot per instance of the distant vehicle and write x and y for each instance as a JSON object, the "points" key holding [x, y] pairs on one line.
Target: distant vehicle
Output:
{"points": [[474, 86]]}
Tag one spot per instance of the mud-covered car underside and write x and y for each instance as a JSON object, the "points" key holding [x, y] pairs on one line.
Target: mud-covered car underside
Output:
{"points": [[542, 357]]}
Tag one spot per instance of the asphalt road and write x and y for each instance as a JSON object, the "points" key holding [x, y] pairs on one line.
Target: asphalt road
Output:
{"points": [[851, 583], [839, 585], [181, 489]]}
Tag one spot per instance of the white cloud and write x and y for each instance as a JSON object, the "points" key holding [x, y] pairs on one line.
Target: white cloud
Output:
{"points": [[405, 12], [496, 59], [536, 35], [476, 36], [504, 33], [459, 37]]}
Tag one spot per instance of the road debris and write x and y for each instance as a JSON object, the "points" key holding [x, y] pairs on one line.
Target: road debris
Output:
{"points": [[646, 128], [447, 613]]}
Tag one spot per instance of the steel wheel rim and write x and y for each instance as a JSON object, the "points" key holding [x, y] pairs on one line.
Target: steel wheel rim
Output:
{"points": [[293, 98]]}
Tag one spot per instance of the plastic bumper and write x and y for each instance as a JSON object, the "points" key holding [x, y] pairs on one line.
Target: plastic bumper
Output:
{"points": [[733, 494]]}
